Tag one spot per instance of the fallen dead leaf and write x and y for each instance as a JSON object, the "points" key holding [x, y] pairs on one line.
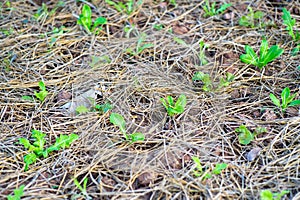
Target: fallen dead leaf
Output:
{"points": [[251, 155]]}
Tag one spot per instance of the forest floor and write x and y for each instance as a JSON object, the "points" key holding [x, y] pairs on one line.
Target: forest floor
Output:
{"points": [[45, 43]]}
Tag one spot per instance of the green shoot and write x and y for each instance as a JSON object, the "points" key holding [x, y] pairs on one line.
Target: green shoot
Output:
{"points": [[268, 195], [118, 120], [245, 137], [266, 54], [103, 108], [129, 7], [249, 20], [41, 95], [82, 188], [139, 47], [286, 99], [179, 41], [290, 23], [85, 19], [205, 78], [18, 193], [37, 148], [81, 110], [203, 46], [210, 10], [44, 13], [172, 107], [225, 82], [27, 98], [158, 27], [206, 175]]}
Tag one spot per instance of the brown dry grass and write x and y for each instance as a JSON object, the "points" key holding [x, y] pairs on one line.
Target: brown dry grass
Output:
{"points": [[161, 166]]}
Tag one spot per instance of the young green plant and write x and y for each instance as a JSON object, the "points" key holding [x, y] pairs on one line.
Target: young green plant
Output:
{"points": [[41, 95], [85, 20], [250, 19], [210, 10], [246, 136], [82, 189], [172, 107], [206, 175], [268, 195], [266, 54], [203, 46], [37, 148], [129, 7], [286, 99], [118, 120], [18, 193], [139, 47]]}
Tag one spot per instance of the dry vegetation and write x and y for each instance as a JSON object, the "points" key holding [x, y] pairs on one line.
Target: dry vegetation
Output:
{"points": [[159, 167]]}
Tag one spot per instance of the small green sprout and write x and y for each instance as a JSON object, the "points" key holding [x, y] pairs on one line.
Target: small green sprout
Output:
{"points": [[18, 193], [245, 136], [41, 95], [206, 175], [290, 23], [266, 54], [82, 189], [158, 27], [37, 148], [249, 20], [139, 47], [286, 99], [44, 13], [27, 98], [103, 108], [205, 78], [85, 19], [179, 41], [225, 82], [203, 46], [118, 120], [82, 109], [172, 107], [210, 10], [129, 7], [268, 195]]}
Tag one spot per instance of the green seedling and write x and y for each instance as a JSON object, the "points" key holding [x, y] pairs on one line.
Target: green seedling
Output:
{"points": [[82, 189], [41, 95], [81, 110], [268, 195], [203, 46], [173, 2], [286, 99], [129, 7], [18, 193], [85, 20], [103, 108], [37, 148], [205, 78], [290, 23], [118, 120], [210, 10], [158, 27], [27, 98], [172, 107], [224, 82], [44, 13], [250, 19], [206, 175], [56, 32], [179, 41], [246, 136], [139, 47], [266, 54]]}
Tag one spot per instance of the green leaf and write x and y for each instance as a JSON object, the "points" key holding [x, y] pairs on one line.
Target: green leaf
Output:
{"points": [[289, 22], [18, 193], [62, 142], [29, 159], [180, 104], [244, 21], [245, 136], [117, 7], [27, 98], [205, 78], [118, 120], [39, 140], [25, 142], [145, 46], [275, 100], [99, 21], [179, 41], [274, 52], [281, 194], [284, 97], [266, 195], [250, 57], [258, 15], [223, 8], [81, 109], [198, 163], [104, 107], [85, 18], [137, 137], [263, 49], [260, 130], [294, 103], [219, 167]]}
